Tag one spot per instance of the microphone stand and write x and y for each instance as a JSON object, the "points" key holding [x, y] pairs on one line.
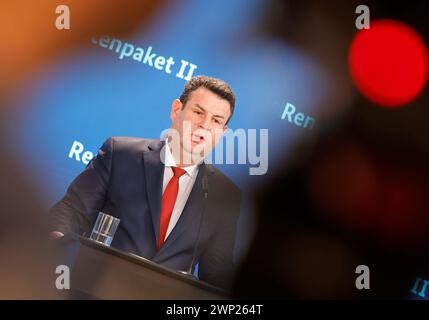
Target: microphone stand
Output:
{"points": [[205, 186]]}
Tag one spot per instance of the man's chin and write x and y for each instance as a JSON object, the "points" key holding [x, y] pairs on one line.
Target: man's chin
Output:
{"points": [[197, 146], [191, 154], [198, 150]]}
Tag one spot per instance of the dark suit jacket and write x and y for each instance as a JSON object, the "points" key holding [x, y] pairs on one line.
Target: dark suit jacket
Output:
{"points": [[125, 180]]}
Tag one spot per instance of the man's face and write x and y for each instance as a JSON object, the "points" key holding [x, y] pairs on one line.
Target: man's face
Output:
{"points": [[201, 122]]}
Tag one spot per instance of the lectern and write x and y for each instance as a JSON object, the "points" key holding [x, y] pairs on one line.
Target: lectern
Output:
{"points": [[102, 272]]}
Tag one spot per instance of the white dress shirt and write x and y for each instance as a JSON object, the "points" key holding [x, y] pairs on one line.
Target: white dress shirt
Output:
{"points": [[186, 182]]}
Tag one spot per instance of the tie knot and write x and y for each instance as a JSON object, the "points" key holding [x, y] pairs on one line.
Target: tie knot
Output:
{"points": [[178, 172]]}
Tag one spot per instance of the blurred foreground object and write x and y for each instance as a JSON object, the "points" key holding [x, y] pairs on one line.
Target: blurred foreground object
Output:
{"points": [[30, 41]]}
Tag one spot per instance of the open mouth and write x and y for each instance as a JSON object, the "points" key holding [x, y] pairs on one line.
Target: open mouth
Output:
{"points": [[196, 138]]}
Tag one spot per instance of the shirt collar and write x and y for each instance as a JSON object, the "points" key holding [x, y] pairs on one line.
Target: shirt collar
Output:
{"points": [[170, 162]]}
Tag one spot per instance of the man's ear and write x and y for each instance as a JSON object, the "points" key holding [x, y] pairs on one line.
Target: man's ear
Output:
{"points": [[176, 107]]}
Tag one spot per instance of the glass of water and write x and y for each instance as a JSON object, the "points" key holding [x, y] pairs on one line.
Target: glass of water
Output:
{"points": [[104, 229]]}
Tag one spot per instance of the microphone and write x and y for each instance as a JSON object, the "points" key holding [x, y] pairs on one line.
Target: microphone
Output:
{"points": [[205, 187]]}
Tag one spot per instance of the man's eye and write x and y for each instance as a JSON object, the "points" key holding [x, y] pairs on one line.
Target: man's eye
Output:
{"points": [[198, 112], [217, 121]]}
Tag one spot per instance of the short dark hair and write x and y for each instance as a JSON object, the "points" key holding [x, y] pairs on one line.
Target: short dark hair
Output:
{"points": [[217, 86]]}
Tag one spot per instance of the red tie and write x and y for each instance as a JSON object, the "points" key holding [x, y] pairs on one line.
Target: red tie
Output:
{"points": [[167, 204]]}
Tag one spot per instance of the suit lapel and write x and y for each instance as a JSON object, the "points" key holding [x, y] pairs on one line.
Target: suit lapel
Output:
{"points": [[154, 172]]}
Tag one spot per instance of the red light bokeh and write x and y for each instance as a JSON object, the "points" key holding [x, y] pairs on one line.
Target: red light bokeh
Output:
{"points": [[389, 63]]}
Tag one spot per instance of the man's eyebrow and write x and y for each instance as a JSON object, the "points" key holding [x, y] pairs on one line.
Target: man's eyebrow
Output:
{"points": [[215, 115]]}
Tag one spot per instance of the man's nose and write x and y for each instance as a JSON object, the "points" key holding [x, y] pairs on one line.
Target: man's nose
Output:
{"points": [[205, 123]]}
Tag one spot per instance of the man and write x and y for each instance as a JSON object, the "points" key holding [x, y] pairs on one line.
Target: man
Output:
{"points": [[166, 197]]}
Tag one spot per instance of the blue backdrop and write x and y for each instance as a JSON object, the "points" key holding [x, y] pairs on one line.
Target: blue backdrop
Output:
{"points": [[92, 94]]}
